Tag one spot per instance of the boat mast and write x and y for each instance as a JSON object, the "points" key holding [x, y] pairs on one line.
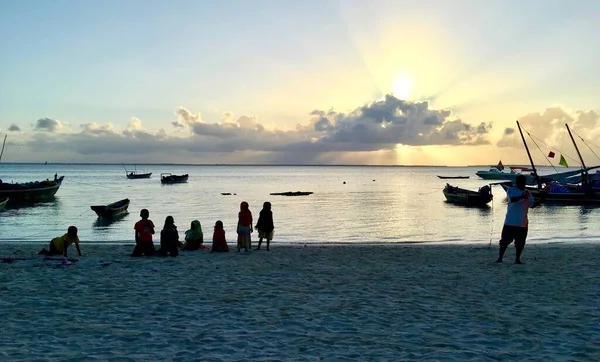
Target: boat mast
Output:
{"points": [[3, 144], [576, 148], [530, 159]]}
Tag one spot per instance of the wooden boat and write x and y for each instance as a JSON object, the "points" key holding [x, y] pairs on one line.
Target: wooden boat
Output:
{"points": [[30, 192], [556, 193], [3, 202], [111, 210], [290, 193], [132, 175], [456, 195], [167, 178], [453, 177]]}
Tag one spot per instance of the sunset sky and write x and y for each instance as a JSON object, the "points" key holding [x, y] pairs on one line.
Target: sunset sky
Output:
{"points": [[301, 82]]}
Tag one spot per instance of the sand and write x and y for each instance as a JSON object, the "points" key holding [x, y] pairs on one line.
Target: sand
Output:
{"points": [[333, 303]]}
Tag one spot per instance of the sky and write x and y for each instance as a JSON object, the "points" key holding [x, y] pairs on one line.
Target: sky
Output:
{"points": [[291, 82]]}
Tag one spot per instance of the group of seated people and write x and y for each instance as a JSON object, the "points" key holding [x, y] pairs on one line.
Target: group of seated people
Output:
{"points": [[169, 235]]}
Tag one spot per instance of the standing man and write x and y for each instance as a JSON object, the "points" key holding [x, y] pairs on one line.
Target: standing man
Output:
{"points": [[516, 222]]}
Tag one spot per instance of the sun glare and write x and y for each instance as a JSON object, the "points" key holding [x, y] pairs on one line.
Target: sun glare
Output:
{"points": [[402, 88]]}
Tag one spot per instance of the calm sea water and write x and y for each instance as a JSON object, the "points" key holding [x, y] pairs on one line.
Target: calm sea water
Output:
{"points": [[377, 204]]}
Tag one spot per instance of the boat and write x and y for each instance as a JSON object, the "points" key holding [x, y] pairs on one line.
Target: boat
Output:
{"points": [[30, 192], [550, 191], [459, 196], [452, 177], [111, 210], [3, 202], [132, 175], [167, 178], [556, 193]]}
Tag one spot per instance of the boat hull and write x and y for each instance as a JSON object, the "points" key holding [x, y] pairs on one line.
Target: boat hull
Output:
{"points": [[173, 179], [573, 197], [458, 196], [111, 210], [27, 193], [135, 176], [453, 177]]}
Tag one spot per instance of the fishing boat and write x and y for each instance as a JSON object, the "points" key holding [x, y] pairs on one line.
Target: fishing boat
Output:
{"points": [[453, 177], [132, 175], [3, 202], [111, 210], [549, 191], [459, 196], [167, 178], [556, 193], [28, 192]]}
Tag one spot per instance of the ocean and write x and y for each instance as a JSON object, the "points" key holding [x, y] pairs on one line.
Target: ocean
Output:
{"points": [[375, 205]]}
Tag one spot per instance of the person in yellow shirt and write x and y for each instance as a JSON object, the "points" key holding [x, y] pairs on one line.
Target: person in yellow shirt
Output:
{"points": [[59, 245]]}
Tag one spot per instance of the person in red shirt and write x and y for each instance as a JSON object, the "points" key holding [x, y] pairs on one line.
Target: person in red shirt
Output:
{"points": [[143, 236], [244, 227], [219, 244]]}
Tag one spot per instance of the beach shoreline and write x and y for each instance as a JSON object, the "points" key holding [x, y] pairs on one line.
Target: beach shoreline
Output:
{"points": [[331, 302]]}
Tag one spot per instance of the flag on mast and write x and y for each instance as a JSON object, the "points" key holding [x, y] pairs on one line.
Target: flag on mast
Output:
{"points": [[563, 162], [551, 154]]}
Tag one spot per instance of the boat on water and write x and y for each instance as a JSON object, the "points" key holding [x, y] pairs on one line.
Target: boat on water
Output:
{"points": [[496, 173], [111, 210], [30, 192], [556, 193], [3, 202], [133, 175], [453, 177], [459, 196], [167, 178]]}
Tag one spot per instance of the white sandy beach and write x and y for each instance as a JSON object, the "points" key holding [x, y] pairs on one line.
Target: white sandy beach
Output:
{"points": [[342, 302]]}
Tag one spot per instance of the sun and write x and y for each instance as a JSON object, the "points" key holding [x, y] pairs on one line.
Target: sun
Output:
{"points": [[402, 87]]}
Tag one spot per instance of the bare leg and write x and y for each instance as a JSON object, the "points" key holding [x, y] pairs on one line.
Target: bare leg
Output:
{"points": [[268, 242], [503, 247], [519, 252], [259, 242]]}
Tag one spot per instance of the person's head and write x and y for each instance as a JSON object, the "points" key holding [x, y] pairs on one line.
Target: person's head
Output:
{"points": [[244, 206], [169, 222], [144, 214], [195, 225], [219, 225], [72, 231], [520, 181], [267, 205]]}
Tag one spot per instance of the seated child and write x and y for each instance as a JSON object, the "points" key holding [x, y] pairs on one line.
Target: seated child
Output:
{"points": [[194, 237], [219, 244], [169, 238]]}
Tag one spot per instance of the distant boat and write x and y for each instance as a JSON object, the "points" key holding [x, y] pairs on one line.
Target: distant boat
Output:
{"points": [[111, 210], [456, 195], [167, 178], [3, 202], [556, 193], [30, 192], [453, 177], [132, 175]]}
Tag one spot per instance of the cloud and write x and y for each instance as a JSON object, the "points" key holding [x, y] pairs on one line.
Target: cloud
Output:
{"points": [[377, 126], [14, 128], [186, 118], [549, 126], [49, 125]]}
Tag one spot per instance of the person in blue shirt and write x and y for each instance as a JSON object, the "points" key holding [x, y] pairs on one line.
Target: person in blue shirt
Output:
{"points": [[516, 221]]}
